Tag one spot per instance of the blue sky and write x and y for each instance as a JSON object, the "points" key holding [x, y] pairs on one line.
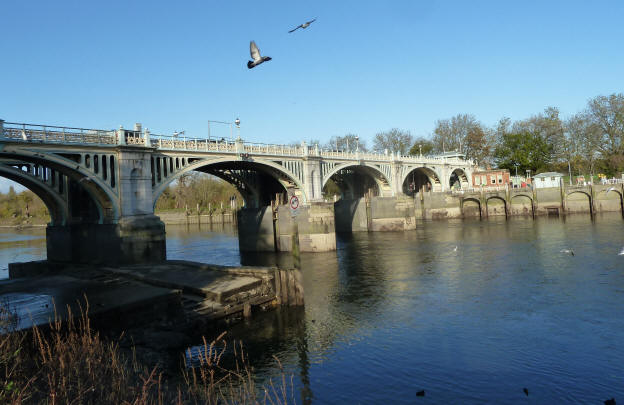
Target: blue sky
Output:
{"points": [[362, 67]]}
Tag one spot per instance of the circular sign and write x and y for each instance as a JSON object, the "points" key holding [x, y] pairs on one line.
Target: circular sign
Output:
{"points": [[294, 202]]}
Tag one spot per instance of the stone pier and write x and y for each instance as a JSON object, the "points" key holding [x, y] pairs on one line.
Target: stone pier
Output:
{"points": [[270, 230]]}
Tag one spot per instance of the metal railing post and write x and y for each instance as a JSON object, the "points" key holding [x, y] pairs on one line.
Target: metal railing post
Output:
{"points": [[1, 128]]}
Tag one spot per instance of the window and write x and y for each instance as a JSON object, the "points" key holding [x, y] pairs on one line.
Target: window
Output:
{"points": [[552, 178], [543, 179], [500, 178], [483, 180], [493, 180]]}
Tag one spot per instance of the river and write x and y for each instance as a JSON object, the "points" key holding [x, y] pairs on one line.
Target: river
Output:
{"points": [[468, 311]]}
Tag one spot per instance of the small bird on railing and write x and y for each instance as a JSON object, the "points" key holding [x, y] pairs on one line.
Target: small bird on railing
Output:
{"points": [[304, 26], [176, 133]]}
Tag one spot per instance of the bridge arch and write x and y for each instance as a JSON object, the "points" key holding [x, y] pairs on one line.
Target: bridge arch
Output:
{"points": [[104, 199], [369, 171], [57, 207], [458, 179], [521, 204], [494, 209], [420, 178], [283, 176], [573, 203], [467, 207]]}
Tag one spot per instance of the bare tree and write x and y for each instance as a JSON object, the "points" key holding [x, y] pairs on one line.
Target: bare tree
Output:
{"points": [[394, 140], [349, 142], [463, 133], [607, 112]]}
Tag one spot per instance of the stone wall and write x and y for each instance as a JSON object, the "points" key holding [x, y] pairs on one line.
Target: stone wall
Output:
{"points": [[259, 232]]}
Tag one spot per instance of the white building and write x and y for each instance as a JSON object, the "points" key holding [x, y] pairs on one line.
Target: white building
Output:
{"points": [[548, 179]]}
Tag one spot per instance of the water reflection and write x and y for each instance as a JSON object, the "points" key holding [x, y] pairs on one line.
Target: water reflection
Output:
{"points": [[389, 314]]}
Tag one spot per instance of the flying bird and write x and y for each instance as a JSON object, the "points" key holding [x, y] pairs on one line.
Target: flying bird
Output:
{"points": [[621, 252], [304, 26], [255, 55]]}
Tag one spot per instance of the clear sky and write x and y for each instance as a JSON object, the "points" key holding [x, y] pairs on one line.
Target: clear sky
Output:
{"points": [[362, 67]]}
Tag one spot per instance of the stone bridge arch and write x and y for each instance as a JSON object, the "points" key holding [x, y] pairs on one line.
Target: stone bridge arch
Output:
{"points": [[578, 200], [470, 207], [51, 197], [355, 186], [420, 178], [495, 209], [613, 191], [184, 165], [521, 204], [71, 180], [459, 179]]}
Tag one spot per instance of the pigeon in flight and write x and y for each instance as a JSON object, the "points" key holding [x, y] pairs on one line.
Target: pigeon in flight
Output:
{"points": [[304, 26], [255, 55]]}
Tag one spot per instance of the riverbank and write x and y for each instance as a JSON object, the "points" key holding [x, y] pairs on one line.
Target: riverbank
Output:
{"points": [[182, 218]]}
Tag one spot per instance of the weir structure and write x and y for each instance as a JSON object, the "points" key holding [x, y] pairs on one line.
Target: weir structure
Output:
{"points": [[101, 186]]}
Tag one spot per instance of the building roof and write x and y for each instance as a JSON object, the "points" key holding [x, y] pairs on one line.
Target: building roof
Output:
{"points": [[481, 171], [549, 174]]}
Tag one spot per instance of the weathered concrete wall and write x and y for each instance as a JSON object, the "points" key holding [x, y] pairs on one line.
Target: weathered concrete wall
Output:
{"points": [[137, 239], [351, 215], [255, 230], [392, 214], [316, 228], [258, 232], [520, 205]]}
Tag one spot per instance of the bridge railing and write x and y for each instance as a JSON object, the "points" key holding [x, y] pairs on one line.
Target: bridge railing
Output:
{"points": [[53, 134], [20, 132]]}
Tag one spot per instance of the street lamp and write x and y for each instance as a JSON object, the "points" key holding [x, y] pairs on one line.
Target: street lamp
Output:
{"points": [[357, 140], [420, 150], [237, 122]]}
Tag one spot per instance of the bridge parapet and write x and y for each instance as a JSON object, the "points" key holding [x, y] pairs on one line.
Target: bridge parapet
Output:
{"points": [[38, 134]]}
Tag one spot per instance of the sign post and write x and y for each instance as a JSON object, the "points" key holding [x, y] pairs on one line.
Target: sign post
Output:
{"points": [[294, 211]]}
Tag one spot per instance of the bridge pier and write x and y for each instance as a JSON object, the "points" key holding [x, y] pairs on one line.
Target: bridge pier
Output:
{"points": [[130, 241], [267, 230]]}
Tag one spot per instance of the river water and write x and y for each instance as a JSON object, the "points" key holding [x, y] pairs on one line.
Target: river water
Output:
{"points": [[468, 311]]}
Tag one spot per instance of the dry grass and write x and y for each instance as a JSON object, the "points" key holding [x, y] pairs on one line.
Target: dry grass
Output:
{"points": [[70, 363]]}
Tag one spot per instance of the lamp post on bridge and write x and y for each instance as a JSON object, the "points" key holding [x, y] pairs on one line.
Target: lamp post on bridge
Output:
{"points": [[357, 140], [237, 123], [223, 122], [420, 150]]}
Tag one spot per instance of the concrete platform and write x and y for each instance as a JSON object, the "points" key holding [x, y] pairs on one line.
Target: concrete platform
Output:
{"points": [[173, 294], [35, 300], [212, 282]]}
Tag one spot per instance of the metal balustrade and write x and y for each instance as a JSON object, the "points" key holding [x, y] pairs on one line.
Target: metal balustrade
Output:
{"points": [[36, 133]]}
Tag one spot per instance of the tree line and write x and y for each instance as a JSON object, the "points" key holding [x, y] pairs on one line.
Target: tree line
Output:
{"points": [[25, 206], [591, 140], [195, 190]]}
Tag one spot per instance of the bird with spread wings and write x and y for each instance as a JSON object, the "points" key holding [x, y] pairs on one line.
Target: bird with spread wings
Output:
{"points": [[304, 26], [255, 55]]}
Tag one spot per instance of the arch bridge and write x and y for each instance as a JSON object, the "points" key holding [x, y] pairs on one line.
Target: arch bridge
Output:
{"points": [[101, 186]]}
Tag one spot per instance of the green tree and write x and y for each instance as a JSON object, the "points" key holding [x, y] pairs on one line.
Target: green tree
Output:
{"points": [[394, 140], [422, 145], [524, 149]]}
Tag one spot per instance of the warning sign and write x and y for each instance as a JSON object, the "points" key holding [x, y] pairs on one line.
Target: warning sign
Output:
{"points": [[294, 205]]}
